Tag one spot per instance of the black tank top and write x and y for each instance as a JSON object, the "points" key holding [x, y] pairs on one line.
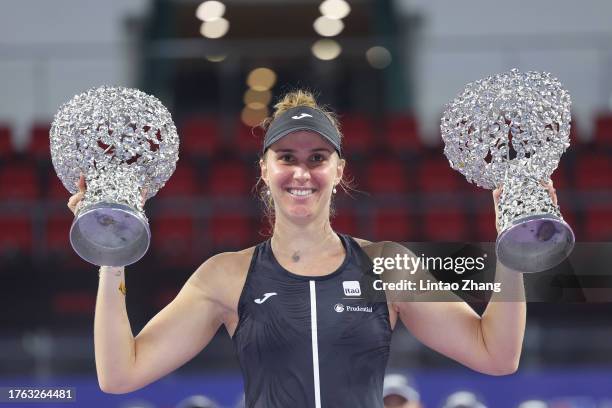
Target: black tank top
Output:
{"points": [[312, 342]]}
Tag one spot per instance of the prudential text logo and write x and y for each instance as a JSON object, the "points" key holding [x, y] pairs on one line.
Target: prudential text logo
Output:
{"points": [[339, 307]]}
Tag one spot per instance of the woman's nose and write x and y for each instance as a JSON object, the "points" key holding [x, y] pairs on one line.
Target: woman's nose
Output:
{"points": [[301, 173]]}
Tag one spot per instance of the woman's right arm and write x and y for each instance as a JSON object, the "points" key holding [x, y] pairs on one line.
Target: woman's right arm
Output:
{"points": [[170, 339], [125, 363]]}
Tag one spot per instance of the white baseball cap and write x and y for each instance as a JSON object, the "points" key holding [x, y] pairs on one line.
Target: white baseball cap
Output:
{"points": [[397, 384]]}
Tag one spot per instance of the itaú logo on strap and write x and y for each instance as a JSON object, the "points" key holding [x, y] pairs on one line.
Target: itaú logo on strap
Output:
{"points": [[351, 288]]}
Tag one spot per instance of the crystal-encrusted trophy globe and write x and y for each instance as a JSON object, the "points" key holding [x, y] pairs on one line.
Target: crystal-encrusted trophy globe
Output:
{"points": [[125, 144], [510, 130]]}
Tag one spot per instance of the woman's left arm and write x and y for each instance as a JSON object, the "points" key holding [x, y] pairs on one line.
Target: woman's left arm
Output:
{"points": [[490, 343]]}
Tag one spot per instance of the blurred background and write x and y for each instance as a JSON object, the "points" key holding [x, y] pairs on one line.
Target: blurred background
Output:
{"points": [[387, 67]]}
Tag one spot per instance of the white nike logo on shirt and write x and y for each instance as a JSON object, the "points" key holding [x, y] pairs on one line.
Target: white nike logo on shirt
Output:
{"points": [[264, 298]]}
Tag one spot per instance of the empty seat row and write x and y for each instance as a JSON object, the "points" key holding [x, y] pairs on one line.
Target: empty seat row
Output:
{"points": [[202, 136], [235, 177], [180, 237]]}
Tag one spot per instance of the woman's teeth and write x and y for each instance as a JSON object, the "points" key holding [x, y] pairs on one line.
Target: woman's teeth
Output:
{"points": [[300, 192]]}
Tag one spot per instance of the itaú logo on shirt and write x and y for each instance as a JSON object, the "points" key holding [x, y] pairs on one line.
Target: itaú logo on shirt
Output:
{"points": [[351, 288], [339, 307]]}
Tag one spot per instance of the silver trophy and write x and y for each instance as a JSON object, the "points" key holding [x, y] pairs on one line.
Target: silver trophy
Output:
{"points": [[125, 144], [510, 130]]}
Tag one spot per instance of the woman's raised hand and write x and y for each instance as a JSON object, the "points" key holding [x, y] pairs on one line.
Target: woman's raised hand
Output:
{"points": [[75, 200]]}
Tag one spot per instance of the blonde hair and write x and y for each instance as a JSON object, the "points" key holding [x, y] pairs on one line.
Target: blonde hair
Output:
{"points": [[298, 97]]}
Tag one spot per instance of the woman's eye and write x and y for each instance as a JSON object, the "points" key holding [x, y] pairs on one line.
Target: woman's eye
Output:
{"points": [[286, 157], [317, 157]]}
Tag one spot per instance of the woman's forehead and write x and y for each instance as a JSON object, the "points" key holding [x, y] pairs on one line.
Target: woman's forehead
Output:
{"points": [[302, 139]]}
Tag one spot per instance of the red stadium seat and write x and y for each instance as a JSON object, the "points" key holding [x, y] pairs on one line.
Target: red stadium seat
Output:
{"points": [[402, 133], [6, 144], [561, 176], [387, 176], [485, 225], [435, 174], [393, 225], [593, 172], [346, 222], [173, 238], [15, 234], [56, 190], [38, 146], [18, 181], [183, 183], [230, 178], [231, 231], [358, 131], [603, 129], [249, 140], [200, 137], [57, 232], [446, 226], [598, 224], [74, 303]]}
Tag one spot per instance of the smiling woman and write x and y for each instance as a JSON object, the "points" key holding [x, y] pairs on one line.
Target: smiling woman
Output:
{"points": [[316, 129], [299, 306]]}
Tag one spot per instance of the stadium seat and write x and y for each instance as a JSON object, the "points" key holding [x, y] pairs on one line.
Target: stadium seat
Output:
{"points": [[15, 234], [55, 190], [401, 133], [561, 176], [598, 224], [358, 131], [435, 174], [74, 302], [230, 177], [183, 182], [248, 140], [6, 144], [593, 172], [440, 225], [200, 137], [18, 181], [38, 145], [387, 176], [346, 222], [603, 129], [173, 238], [392, 224], [231, 231], [485, 225], [57, 232]]}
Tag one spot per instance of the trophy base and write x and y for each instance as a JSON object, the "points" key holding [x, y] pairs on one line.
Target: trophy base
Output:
{"points": [[535, 243], [110, 234]]}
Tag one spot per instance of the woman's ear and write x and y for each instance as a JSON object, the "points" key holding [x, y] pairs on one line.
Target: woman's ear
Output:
{"points": [[340, 170], [264, 170]]}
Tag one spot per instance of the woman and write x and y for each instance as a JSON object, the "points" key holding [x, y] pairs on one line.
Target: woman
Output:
{"points": [[303, 335]]}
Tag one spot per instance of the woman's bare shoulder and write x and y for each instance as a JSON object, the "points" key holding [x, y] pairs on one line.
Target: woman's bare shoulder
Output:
{"points": [[224, 269], [373, 249]]}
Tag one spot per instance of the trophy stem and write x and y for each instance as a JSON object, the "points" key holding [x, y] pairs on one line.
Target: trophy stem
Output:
{"points": [[535, 243], [110, 234]]}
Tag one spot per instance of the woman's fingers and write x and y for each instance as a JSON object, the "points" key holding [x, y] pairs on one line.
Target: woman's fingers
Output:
{"points": [[551, 190], [81, 184], [75, 201]]}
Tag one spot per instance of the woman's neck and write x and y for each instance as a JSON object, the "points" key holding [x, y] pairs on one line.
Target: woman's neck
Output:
{"points": [[299, 242]]}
